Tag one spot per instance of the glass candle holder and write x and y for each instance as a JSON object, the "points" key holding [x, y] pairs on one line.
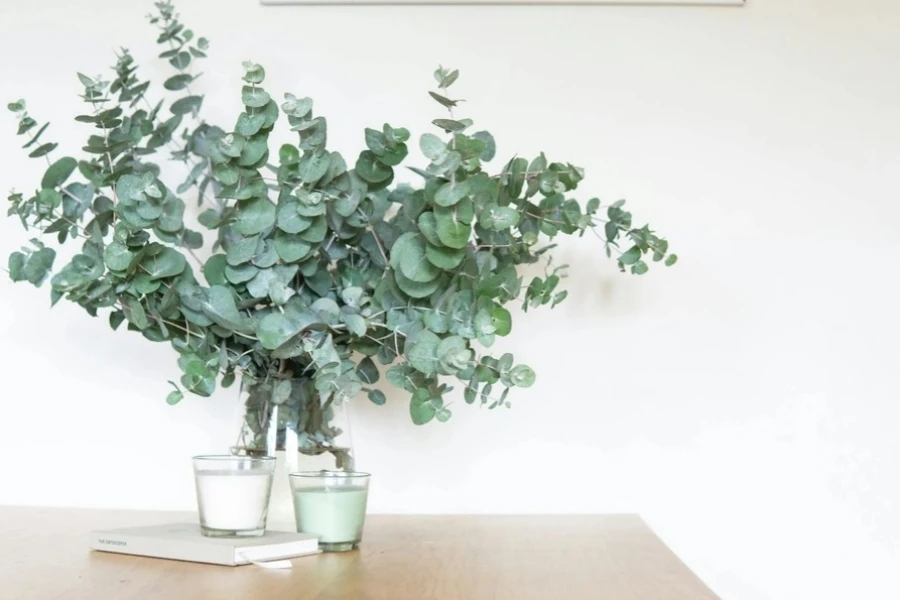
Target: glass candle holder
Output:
{"points": [[332, 506], [233, 494]]}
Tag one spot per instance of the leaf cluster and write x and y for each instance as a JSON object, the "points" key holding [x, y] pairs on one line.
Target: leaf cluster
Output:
{"points": [[322, 268]]}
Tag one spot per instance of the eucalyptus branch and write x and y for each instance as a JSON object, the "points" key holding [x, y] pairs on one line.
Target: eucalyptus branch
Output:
{"points": [[99, 105], [380, 246], [32, 139], [79, 231], [194, 256], [532, 175], [295, 286]]}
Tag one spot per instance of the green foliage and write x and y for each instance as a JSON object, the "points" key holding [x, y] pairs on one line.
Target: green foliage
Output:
{"points": [[321, 269]]}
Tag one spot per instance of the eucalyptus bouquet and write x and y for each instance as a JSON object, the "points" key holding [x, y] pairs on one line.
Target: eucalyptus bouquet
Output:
{"points": [[319, 269]]}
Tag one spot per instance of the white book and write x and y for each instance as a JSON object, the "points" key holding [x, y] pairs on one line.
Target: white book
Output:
{"points": [[183, 541]]}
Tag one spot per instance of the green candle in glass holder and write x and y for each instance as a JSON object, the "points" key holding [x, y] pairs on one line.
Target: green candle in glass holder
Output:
{"points": [[332, 506]]}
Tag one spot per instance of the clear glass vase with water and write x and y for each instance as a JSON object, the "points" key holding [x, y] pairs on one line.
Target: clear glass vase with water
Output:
{"points": [[287, 419]]}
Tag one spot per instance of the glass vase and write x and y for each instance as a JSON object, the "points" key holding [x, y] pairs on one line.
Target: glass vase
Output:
{"points": [[287, 419]]}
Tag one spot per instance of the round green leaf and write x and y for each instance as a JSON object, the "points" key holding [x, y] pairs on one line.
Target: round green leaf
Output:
{"points": [[377, 397], [408, 254], [186, 105], [228, 380], [421, 409], [135, 312], [356, 324], [248, 125], [48, 200], [167, 263], [16, 266], [428, 227], [367, 371], [142, 284], [279, 292], [316, 231], [443, 257], [230, 145], [422, 354], [265, 256], [399, 247], [671, 260], [288, 154], [253, 73], [117, 256], [443, 415], [242, 250], [197, 318], [437, 321], [499, 218], [202, 386], [227, 174], [172, 218], [254, 216], [275, 329], [502, 320], [454, 355], [451, 230], [415, 289], [376, 141], [254, 189], [631, 256], [58, 172], [395, 156], [505, 363], [253, 152], [522, 376], [178, 82], [450, 345], [254, 97], [470, 392], [313, 166], [484, 323], [296, 107], [311, 204], [174, 397], [149, 210], [432, 146], [180, 60], [130, 216], [258, 287], [289, 220], [451, 193], [291, 248], [241, 273], [221, 307], [371, 169], [347, 203], [490, 146]]}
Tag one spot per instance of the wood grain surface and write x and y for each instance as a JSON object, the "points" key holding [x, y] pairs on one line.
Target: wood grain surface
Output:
{"points": [[44, 556]]}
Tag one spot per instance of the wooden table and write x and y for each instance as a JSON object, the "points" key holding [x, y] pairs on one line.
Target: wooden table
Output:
{"points": [[44, 556]]}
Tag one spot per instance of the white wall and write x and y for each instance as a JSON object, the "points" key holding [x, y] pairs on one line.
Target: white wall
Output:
{"points": [[745, 402]]}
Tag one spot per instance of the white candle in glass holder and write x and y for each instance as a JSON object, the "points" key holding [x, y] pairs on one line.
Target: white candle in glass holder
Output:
{"points": [[233, 500]]}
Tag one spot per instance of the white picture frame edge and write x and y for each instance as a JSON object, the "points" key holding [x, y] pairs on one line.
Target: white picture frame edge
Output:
{"points": [[735, 3]]}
